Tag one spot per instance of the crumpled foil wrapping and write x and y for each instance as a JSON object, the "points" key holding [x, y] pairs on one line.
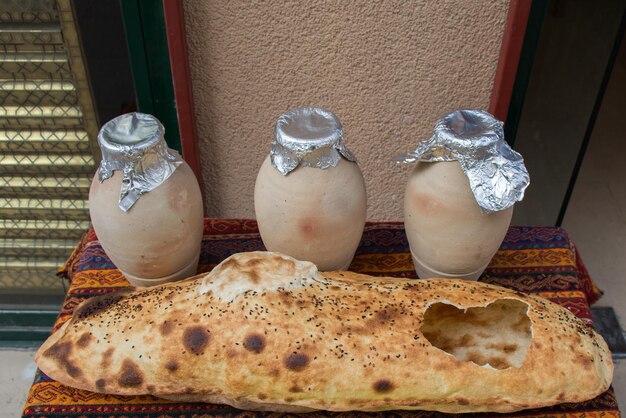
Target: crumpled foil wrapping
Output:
{"points": [[311, 137], [475, 138], [134, 143]]}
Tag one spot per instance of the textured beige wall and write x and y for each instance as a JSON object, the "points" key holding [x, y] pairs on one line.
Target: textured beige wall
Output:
{"points": [[387, 69]]}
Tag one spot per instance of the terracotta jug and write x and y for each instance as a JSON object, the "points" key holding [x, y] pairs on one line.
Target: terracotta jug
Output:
{"points": [[309, 197], [145, 203], [449, 234], [459, 197]]}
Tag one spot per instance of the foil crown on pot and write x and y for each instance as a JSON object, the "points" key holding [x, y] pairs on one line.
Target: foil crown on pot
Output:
{"points": [[134, 143], [474, 138], [308, 136]]}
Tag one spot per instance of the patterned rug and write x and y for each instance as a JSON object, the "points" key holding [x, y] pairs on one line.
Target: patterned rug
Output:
{"points": [[541, 261]]}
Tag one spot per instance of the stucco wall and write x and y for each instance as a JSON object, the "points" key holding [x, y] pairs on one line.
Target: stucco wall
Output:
{"points": [[387, 69]]}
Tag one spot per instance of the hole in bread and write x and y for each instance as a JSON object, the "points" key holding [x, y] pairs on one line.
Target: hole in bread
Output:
{"points": [[497, 335]]}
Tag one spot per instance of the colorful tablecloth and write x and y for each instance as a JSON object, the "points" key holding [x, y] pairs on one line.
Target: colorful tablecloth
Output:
{"points": [[542, 261]]}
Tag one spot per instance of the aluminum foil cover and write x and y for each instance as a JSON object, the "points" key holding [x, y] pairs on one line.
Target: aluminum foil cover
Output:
{"points": [[475, 138], [308, 136], [134, 143]]}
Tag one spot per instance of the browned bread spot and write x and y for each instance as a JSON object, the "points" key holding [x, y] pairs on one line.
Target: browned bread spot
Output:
{"points": [[383, 386], [285, 298], [130, 374], [584, 361], [172, 366], [100, 384], [166, 328], [296, 361], [254, 343], [84, 340], [61, 353], [247, 268], [195, 339], [383, 316], [93, 306], [107, 357], [252, 275]]}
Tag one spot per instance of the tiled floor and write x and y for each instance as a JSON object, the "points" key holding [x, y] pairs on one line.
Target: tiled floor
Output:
{"points": [[16, 376]]}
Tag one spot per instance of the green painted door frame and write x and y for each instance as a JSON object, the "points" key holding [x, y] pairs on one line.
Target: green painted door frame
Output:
{"points": [[146, 37], [536, 17]]}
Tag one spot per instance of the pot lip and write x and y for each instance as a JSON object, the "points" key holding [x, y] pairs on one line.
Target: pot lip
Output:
{"points": [[135, 143], [308, 128], [130, 132]]}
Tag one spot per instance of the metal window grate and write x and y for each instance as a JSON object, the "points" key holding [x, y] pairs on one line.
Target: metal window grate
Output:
{"points": [[47, 134]]}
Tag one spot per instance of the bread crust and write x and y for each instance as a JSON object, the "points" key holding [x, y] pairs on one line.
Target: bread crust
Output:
{"points": [[300, 340]]}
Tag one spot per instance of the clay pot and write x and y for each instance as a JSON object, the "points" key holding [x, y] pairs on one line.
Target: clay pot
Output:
{"points": [[309, 196], [448, 233], [312, 214], [158, 239]]}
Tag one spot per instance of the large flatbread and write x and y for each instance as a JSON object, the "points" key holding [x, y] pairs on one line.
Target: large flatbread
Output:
{"points": [[264, 331]]}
